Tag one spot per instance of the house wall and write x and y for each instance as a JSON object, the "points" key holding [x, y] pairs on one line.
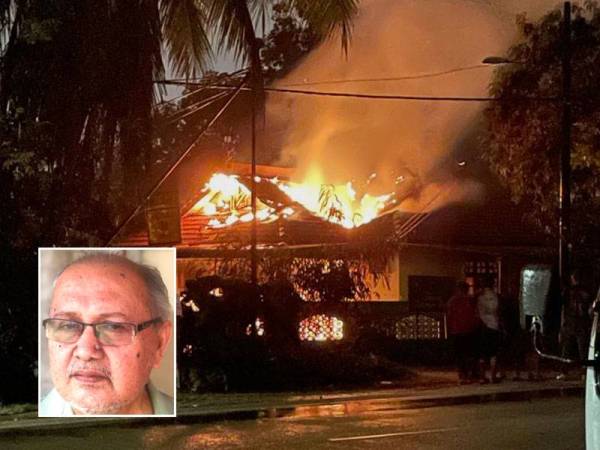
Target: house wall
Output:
{"points": [[431, 262], [408, 261], [418, 261]]}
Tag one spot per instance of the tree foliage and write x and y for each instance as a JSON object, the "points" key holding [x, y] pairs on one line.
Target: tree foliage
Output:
{"points": [[78, 143], [524, 138], [289, 40], [77, 94], [236, 336]]}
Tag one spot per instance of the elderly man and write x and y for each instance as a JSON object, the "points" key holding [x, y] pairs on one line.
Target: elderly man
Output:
{"points": [[109, 325]]}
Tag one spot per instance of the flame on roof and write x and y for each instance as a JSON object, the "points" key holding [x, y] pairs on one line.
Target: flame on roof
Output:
{"points": [[228, 201]]}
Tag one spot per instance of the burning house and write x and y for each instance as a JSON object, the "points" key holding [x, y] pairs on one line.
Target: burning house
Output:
{"points": [[413, 259], [372, 177]]}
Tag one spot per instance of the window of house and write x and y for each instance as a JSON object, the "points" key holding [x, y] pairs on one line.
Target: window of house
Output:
{"points": [[321, 327]]}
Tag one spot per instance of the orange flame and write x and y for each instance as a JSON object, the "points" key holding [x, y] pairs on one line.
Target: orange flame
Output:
{"points": [[335, 203], [228, 201]]}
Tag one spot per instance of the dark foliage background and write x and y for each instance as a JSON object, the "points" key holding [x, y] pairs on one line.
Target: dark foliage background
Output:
{"points": [[221, 348], [82, 136], [524, 136]]}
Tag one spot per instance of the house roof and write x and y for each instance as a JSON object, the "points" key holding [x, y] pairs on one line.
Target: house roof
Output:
{"points": [[495, 223], [300, 229]]}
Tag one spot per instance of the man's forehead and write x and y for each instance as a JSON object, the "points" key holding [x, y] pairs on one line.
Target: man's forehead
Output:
{"points": [[100, 287], [124, 267]]}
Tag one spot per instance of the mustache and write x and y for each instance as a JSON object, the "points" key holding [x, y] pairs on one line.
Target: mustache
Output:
{"points": [[94, 369]]}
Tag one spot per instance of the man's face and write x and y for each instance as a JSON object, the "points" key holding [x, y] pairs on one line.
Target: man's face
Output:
{"points": [[96, 378]]}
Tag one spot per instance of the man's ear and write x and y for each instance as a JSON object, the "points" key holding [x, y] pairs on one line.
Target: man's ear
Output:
{"points": [[164, 335]]}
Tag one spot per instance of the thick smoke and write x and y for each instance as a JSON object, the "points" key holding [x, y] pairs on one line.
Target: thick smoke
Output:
{"points": [[406, 143]]}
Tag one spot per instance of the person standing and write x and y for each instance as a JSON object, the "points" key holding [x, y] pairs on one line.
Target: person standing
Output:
{"points": [[488, 310], [462, 325]]}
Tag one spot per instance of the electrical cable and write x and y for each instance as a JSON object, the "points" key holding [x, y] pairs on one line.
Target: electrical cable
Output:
{"points": [[196, 79], [159, 183], [383, 96], [416, 219], [183, 81], [405, 97], [195, 107], [399, 78], [179, 97]]}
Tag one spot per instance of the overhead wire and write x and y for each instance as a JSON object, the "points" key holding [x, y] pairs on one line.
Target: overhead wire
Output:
{"points": [[408, 97], [398, 78], [416, 219], [195, 107], [178, 98], [172, 168], [185, 81], [200, 79], [383, 96]]}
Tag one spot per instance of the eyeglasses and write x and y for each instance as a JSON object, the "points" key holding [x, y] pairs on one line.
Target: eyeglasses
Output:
{"points": [[68, 331]]}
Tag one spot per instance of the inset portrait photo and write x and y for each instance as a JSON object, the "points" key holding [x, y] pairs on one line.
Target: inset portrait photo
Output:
{"points": [[106, 332]]}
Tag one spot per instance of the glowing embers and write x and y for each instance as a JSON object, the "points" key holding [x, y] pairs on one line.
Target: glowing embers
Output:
{"points": [[217, 292], [258, 328], [321, 327], [228, 202]]}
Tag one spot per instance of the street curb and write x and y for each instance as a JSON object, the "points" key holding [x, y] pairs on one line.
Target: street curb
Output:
{"points": [[43, 426]]}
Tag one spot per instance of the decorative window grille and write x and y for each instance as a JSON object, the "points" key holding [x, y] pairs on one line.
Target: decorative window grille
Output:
{"points": [[321, 327], [474, 268], [418, 326]]}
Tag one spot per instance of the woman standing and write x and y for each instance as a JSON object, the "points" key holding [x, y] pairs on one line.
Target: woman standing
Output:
{"points": [[488, 309]]}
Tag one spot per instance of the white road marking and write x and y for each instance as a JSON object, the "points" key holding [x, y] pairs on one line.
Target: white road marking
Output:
{"points": [[403, 433]]}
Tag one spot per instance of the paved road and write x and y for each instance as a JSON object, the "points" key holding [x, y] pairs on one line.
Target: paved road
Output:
{"points": [[538, 424]]}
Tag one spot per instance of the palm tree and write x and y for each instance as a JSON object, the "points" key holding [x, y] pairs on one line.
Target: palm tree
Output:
{"points": [[77, 83]]}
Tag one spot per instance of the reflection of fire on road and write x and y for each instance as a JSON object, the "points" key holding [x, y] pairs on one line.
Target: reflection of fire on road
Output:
{"points": [[321, 327], [228, 201]]}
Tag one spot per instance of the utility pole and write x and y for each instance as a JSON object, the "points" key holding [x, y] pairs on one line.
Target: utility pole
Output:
{"points": [[254, 225], [257, 93], [564, 221]]}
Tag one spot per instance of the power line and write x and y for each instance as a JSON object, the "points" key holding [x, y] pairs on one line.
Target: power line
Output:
{"points": [[195, 107], [382, 96], [172, 168], [186, 81], [399, 78], [408, 97], [416, 219], [376, 96], [179, 97], [203, 78]]}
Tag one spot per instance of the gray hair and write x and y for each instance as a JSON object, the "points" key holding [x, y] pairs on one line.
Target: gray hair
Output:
{"points": [[157, 291]]}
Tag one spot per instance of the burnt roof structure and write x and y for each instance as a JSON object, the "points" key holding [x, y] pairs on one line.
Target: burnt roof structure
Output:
{"points": [[494, 226]]}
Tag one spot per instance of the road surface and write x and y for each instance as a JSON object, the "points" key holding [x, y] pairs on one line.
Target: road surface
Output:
{"points": [[538, 424]]}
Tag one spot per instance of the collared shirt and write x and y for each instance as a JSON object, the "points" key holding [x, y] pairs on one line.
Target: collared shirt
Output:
{"points": [[462, 315], [53, 405]]}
